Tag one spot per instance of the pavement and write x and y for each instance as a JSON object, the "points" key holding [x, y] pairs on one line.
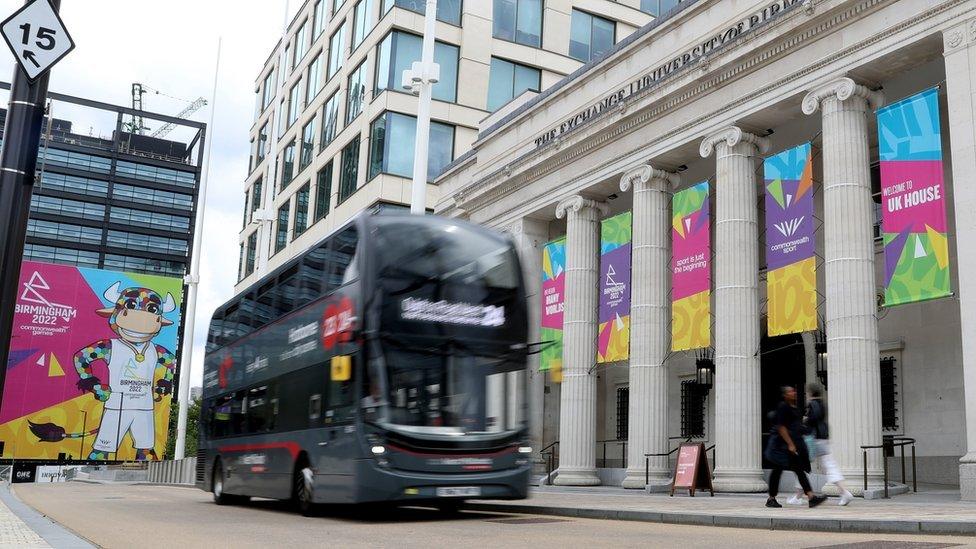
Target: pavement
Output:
{"points": [[937, 511], [23, 527], [132, 515]]}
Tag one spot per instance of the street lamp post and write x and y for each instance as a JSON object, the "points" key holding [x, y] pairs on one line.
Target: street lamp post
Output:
{"points": [[420, 80]]}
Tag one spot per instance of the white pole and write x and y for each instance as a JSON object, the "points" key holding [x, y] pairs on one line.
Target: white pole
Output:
{"points": [[193, 279], [424, 75], [270, 179]]}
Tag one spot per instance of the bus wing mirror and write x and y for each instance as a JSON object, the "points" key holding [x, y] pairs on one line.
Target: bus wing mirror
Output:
{"points": [[341, 368]]}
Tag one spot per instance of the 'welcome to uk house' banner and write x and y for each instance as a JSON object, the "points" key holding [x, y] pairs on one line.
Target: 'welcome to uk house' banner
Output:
{"points": [[553, 296], [791, 264], [615, 248], [691, 269], [913, 200]]}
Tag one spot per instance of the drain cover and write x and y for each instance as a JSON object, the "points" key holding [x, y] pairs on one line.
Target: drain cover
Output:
{"points": [[539, 520]]}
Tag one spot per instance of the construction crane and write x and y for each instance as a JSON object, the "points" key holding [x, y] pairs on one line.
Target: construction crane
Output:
{"points": [[137, 126]]}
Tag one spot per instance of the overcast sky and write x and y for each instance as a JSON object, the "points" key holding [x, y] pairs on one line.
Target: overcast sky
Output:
{"points": [[171, 46]]}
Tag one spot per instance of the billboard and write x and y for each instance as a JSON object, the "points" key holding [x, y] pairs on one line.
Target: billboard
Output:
{"points": [[91, 366], [791, 256], [691, 269], [553, 296], [915, 233], [613, 342]]}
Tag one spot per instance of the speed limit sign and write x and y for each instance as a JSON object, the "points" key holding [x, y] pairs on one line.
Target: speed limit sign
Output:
{"points": [[37, 37]]}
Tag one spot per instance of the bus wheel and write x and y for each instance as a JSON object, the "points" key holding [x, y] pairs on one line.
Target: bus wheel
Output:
{"points": [[451, 506], [217, 484], [304, 491]]}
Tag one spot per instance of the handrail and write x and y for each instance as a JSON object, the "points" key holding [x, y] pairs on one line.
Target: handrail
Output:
{"points": [[549, 451], [892, 442], [623, 454]]}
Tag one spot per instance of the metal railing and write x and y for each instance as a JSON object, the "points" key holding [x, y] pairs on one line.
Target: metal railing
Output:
{"points": [[892, 442], [623, 453], [550, 456], [647, 457]]}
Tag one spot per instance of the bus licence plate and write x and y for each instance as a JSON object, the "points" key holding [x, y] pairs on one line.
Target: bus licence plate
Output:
{"points": [[458, 491]]}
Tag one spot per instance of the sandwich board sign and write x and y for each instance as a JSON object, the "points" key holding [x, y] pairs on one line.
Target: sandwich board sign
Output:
{"points": [[37, 37], [692, 471]]}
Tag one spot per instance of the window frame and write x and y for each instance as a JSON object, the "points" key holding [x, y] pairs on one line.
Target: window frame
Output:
{"points": [[593, 18]]}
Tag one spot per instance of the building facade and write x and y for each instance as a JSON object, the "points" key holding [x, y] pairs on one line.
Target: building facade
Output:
{"points": [[705, 94], [334, 130], [122, 202]]}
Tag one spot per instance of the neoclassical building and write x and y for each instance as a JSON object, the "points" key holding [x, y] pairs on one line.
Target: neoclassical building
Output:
{"points": [[705, 93]]}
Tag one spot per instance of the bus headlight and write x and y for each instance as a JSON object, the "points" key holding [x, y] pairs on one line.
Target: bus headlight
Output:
{"points": [[525, 449], [378, 450]]}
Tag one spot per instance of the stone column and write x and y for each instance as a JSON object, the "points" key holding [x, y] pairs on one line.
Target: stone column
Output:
{"points": [[738, 439], [960, 60], [530, 237], [577, 410], [853, 371], [650, 315]]}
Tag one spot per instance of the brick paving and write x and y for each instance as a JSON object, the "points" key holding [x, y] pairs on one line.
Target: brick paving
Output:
{"points": [[14, 533]]}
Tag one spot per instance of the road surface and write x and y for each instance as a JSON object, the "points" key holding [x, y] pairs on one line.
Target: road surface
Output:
{"points": [[125, 515]]}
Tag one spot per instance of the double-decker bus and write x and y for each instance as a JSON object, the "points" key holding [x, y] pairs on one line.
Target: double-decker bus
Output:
{"points": [[385, 364]]}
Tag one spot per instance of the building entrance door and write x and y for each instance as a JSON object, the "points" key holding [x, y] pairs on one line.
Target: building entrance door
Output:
{"points": [[782, 362]]}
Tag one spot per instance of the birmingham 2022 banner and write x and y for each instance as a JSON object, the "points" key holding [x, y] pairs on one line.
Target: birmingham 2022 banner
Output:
{"points": [[913, 200], [613, 343], [553, 298], [691, 269], [91, 366], [791, 275]]}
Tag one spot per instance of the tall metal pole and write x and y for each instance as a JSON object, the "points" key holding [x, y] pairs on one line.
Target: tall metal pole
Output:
{"points": [[18, 162], [423, 75], [193, 280]]}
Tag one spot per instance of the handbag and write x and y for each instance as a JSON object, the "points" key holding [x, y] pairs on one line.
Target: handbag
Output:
{"points": [[813, 449]]}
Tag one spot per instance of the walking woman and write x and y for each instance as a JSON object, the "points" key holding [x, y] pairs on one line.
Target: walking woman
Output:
{"points": [[787, 451], [816, 422]]}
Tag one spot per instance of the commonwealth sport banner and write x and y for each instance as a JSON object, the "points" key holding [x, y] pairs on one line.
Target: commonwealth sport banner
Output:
{"points": [[691, 269], [791, 275], [615, 242], [553, 295], [913, 200]]}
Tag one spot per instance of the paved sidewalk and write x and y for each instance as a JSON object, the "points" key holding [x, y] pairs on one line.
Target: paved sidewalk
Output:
{"points": [[937, 512], [14, 532]]}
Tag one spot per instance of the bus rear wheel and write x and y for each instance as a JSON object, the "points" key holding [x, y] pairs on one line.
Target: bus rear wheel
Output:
{"points": [[217, 485], [303, 492]]}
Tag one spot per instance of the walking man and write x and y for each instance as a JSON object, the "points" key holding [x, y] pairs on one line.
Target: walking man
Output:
{"points": [[786, 450]]}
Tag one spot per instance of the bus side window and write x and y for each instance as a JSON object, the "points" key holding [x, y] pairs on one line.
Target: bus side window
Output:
{"points": [[221, 416], [257, 409], [264, 305], [238, 413], [287, 292], [314, 408], [215, 339], [342, 268]]}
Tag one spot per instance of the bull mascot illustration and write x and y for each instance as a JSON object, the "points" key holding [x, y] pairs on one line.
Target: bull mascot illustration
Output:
{"points": [[136, 317]]}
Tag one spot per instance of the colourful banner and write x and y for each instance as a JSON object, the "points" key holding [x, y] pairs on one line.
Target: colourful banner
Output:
{"points": [[791, 263], [691, 269], [91, 366], [916, 245], [613, 343], [553, 295]]}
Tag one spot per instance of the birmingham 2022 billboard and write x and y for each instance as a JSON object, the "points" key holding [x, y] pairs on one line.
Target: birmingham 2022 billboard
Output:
{"points": [[92, 362]]}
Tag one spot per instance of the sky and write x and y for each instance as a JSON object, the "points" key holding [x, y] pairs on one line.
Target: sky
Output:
{"points": [[171, 47]]}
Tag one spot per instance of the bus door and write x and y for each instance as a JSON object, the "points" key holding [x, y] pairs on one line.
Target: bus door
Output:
{"points": [[340, 447]]}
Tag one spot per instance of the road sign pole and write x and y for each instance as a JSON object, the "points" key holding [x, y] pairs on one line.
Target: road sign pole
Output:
{"points": [[18, 161]]}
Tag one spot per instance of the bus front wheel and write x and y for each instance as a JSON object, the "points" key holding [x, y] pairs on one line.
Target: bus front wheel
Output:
{"points": [[217, 484]]}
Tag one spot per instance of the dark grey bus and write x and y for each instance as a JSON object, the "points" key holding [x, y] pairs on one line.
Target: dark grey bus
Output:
{"points": [[386, 364]]}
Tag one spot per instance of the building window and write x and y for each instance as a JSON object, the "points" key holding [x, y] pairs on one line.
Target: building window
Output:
{"points": [[252, 249], [73, 184], [330, 120], [79, 161], [623, 412], [269, 90], [508, 80], [155, 174], [357, 93], [52, 254], [336, 4], [518, 21], [657, 8], [301, 210], [392, 146], [281, 118], [154, 197], [147, 243], [144, 265], [319, 20], [262, 142], [337, 46], [68, 208], [294, 103], [301, 44], [448, 11], [323, 191], [362, 22], [693, 399], [142, 219], [889, 394], [281, 233], [314, 82], [63, 232], [288, 164], [590, 36], [400, 50], [349, 173], [308, 145], [256, 197]]}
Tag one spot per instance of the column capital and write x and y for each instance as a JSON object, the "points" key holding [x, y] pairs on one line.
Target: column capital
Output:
{"points": [[843, 89], [645, 173], [732, 136], [576, 203]]}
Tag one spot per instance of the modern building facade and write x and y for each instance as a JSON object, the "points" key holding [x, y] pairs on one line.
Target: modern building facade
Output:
{"points": [[705, 94], [124, 202], [334, 130]]}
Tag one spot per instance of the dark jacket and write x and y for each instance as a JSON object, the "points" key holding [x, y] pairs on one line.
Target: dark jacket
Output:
{"points": [[777, 450], [816, 419]]}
